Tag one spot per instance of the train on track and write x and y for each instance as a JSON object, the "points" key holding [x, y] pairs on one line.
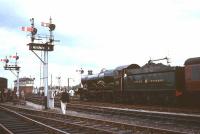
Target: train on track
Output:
{"points": [[153, 83]]}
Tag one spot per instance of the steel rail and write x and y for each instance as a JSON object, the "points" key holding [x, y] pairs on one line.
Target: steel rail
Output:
{"points": [[49, 129], [108, 125]]}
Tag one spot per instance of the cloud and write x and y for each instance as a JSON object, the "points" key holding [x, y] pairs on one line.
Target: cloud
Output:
{"points": [[11, 43]]}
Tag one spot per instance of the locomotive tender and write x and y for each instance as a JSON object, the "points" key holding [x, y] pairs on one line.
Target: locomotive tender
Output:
{"points": [[151, 83]]}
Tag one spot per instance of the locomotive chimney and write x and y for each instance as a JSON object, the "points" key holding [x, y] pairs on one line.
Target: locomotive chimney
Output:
{"points": [[89, 72]]}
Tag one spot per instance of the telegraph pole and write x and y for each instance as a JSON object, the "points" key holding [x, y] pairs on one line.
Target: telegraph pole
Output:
{"points": [[45, 48], [59, 82], [68, 83]]}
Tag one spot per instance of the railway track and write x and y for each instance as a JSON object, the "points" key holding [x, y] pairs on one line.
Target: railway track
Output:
{"points": [[188, 123], [135, 112], [91, 108], [15, 123], [89, 125], [185, 123]]}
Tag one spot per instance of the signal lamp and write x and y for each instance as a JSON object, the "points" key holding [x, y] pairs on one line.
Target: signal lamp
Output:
{"points": [[17, 57], [52, 27], [82, 71], [6, 60], [34, 31]]}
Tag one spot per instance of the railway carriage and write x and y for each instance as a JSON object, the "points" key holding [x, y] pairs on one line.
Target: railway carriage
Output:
{"points": [[3, 88], [192, 74], [192, 79]]}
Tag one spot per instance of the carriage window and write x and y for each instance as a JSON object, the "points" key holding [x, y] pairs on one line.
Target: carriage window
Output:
{"points": [[196, 73]]}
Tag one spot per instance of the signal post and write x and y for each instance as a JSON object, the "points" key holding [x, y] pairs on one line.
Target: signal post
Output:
{"points": [[45, 48], [12, 68]]}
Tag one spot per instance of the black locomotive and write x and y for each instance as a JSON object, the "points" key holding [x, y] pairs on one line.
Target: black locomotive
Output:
{"points": [[151, 83]]}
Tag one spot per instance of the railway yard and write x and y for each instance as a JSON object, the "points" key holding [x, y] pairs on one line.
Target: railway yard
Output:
{"points": [[152, 99], [96, 117], [99, 80]]}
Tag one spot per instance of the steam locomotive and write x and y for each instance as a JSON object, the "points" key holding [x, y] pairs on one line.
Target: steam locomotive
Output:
{"points": [[152, 83]]}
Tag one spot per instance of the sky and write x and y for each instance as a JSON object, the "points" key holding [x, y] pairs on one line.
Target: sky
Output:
{"points": [[96, 34]]}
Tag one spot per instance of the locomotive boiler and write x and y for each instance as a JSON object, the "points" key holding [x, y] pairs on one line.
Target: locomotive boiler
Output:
{"points": [[98, 87]]}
